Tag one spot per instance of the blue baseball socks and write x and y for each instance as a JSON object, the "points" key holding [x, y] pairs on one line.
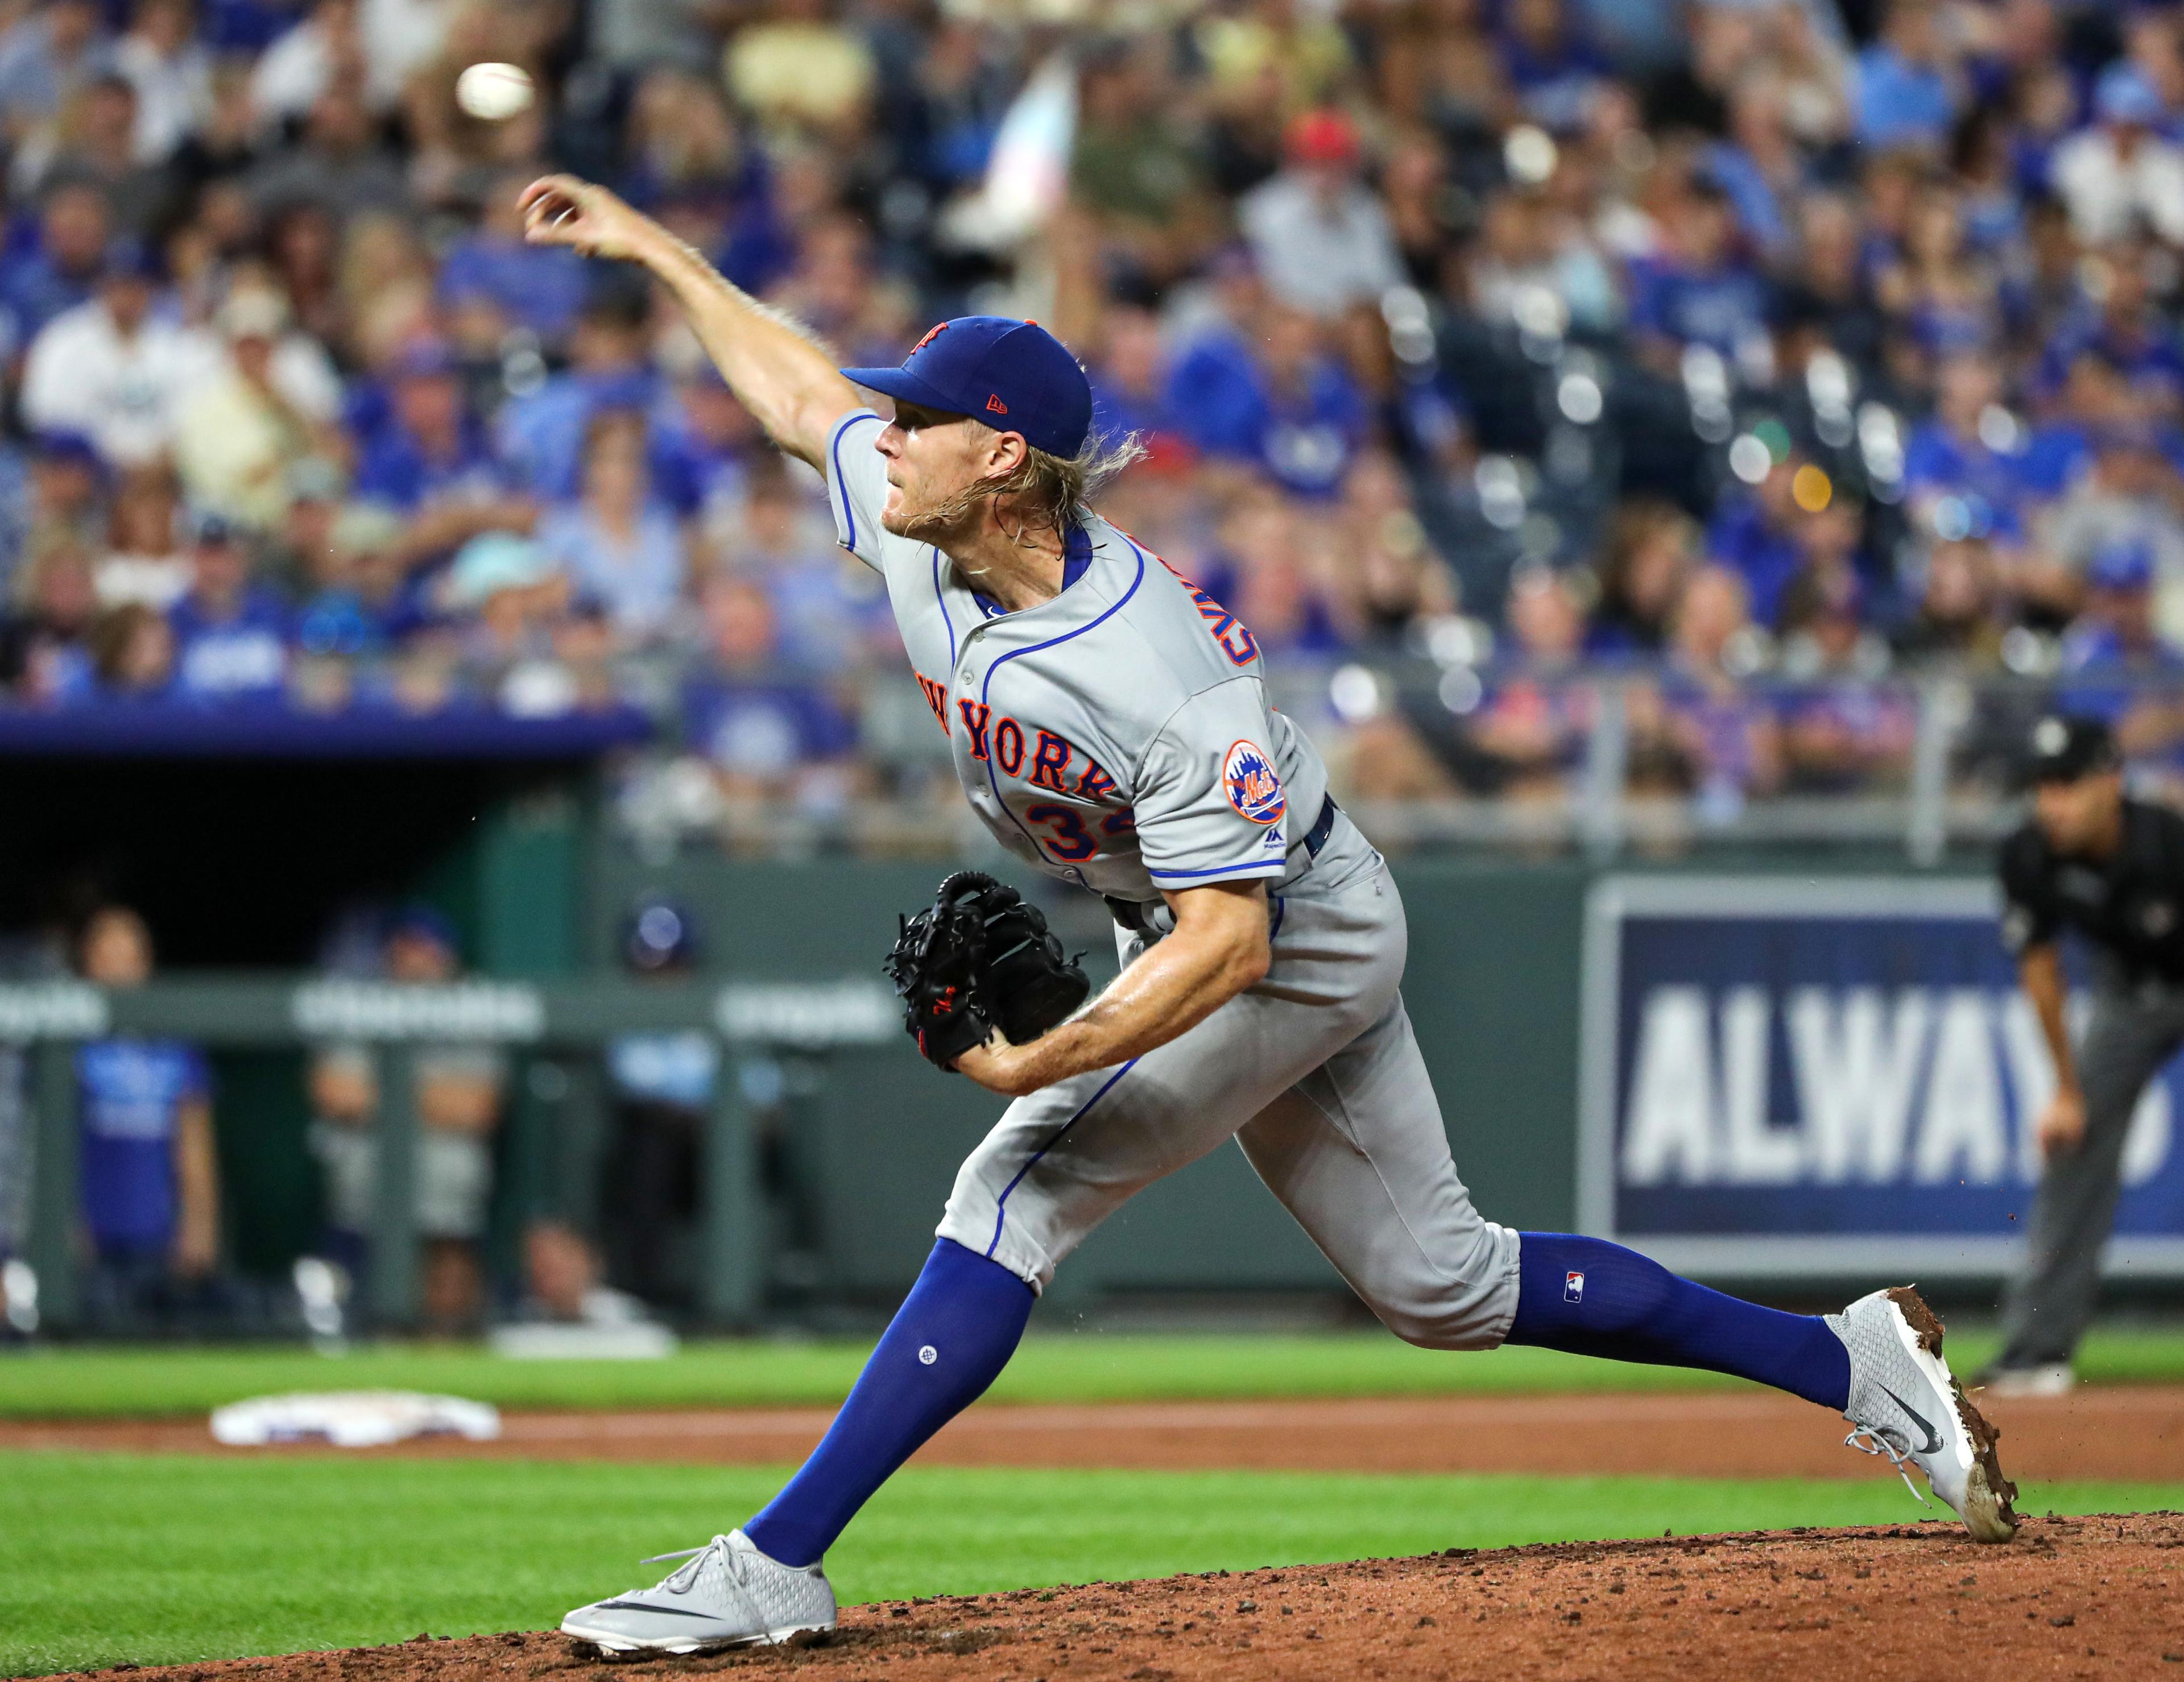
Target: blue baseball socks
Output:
{"points": [[949, 1341], [1591, 1297], [966, 1315]]}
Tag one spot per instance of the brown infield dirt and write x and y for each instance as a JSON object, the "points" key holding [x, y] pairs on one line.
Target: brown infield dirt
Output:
{"points": [[2081, 1597], [2120, 1432]]}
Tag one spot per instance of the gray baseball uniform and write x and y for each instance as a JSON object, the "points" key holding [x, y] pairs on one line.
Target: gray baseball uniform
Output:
{"points": [[1118, 737]]}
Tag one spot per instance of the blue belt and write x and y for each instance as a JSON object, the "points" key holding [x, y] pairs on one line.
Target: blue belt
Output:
{"points": [[1131, 915], [1322, 826]]}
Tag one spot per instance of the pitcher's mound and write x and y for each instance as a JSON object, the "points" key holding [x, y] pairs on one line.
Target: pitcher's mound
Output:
{"points": [[2098, 1596]]}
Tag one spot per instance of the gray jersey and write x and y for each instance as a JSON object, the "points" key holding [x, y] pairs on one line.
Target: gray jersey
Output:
{"points": [[1117, 736]]}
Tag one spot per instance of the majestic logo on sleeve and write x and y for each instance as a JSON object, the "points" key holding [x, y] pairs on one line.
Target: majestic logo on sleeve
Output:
{"points": [[1253, 788]]}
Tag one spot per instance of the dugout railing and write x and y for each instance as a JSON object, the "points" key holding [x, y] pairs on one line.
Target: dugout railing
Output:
{"points": [[49, 1020]]}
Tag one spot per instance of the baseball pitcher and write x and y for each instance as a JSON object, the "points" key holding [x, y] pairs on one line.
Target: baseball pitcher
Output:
{"points": [[1108, 722]]}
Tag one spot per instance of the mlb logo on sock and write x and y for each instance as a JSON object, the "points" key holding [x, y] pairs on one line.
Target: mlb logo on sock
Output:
{"points": [[1573, 1287]]}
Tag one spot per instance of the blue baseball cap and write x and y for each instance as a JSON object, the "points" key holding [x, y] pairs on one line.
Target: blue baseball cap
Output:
{"points": [[659, 936], [2125, 566], [64, 444], [1014, 375], [211, 527], [418, 920], [2124, 95]]}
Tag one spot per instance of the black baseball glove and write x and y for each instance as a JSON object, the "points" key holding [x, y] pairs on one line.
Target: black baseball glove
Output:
{"points": [[980, 957]]}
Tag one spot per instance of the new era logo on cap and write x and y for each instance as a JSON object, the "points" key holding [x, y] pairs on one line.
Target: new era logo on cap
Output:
{"points": [[1573, 1287], [995, 405]]}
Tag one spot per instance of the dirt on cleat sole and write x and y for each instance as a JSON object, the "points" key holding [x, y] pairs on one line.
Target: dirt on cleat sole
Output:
{"points": [[1924, 1322], [1987, 1492], [1988, 1514]]}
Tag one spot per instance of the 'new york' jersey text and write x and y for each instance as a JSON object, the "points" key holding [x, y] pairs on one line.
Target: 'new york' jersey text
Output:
{"points": [[1117, 736]]}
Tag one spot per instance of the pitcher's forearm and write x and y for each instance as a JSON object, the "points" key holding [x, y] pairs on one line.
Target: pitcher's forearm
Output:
{"points": [[1167, 993], [786, 379]]}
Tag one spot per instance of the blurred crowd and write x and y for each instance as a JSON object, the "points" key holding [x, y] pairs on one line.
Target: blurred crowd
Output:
{"points": [[1748, 361]]}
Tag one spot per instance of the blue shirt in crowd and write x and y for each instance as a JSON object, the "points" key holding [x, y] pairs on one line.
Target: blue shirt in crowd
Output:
{"points": [[340, 622], [395, 470], [1900, 103], [1720, 308], [1751, 196], [539, 286], [33, 290], [1226, 406], [542, 435], [2054, 456], [245, 25], [693, 475], [133, 1092], [2101, 679], [34, 78], [640, 585], [1117, 412], [677, 1068], [1936, 459], [2151, 353], [1555, 88], [1742, 537], [245, 654], [764, 727]]}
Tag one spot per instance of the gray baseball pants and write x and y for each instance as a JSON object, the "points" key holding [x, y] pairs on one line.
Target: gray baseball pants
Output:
{"points": [[2045, 1310], [1316, 1074]]}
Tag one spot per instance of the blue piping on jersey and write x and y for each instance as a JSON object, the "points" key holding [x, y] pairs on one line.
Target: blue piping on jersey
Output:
{"points": [[1002, 1208], [1265, 867], [986, 688], [834, 450]]}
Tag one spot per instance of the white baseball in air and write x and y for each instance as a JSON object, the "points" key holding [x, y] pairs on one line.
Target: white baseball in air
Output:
{"points": [[493, 92]]}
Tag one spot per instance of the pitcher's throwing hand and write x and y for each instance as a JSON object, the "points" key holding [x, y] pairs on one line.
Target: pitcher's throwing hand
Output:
{"points": [[587, 218]]}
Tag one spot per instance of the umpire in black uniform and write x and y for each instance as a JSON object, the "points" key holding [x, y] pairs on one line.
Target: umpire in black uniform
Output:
{"points": [[2093, 860]]}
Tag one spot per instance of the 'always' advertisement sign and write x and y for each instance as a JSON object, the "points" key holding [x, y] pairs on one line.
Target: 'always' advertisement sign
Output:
{"points": [[1793, 1076]]}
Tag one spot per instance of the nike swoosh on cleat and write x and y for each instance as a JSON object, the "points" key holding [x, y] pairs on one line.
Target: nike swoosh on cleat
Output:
{"points": [[1933, 1440], [683, 1612]]}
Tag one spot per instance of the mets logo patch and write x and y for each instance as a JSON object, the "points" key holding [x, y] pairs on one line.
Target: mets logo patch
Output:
{"points": [[1253, 788]]}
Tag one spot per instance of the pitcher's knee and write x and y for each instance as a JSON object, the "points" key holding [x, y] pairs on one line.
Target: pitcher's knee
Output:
{"points": [[1461, 1302], [1464, 1326]]}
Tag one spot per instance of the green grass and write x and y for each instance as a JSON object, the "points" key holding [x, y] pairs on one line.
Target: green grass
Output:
{"points": [[105, 1558], [169, 1558], [1061, 1366]]}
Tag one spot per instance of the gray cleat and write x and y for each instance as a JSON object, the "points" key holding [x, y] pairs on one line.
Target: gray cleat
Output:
{"points": [[1906, 1406], [726, 1594]]}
